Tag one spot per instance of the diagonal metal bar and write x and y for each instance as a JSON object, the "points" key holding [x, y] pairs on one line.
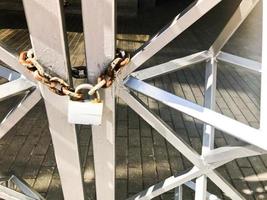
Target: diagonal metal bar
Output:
{"points": [[239, 61], [210, 196], [19, 111], [178, 194], [226, 187], [25, 188], [50, 46], [10, 194], [243, 10], [177, 180], [231, 153], [181, 22], [14, 88], [8, 74], [219, 121], [161, 127], [168, 184], [171, 66], [11, 59], [168, 134]]}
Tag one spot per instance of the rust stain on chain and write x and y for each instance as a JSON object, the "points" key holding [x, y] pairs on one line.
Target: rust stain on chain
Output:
{"points": [[60, 87]]}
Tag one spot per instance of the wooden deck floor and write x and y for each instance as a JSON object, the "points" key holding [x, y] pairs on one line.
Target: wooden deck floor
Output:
{"points": [[143, 157]]}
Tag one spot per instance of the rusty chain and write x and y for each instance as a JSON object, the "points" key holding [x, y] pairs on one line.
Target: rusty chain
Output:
{"points": [[60, 87]]}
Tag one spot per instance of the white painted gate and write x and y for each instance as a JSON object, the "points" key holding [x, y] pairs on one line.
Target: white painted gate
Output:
{"points": [[51, 49]]}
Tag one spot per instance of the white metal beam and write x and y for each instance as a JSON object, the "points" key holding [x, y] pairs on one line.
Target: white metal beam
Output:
{"points": [[10, 194], [8, 74], [208, 134], [25, 188], [231, 153], [177, 180], [161, 127], [171, 66], [169, 135], [178, 192], [226, 187], [239, 61], [181, 22], [208, 131], [168, 184], [14, 88], [12, 60], [19, 111], [219, 121], [243, 10], [50, 46], [99, 33], [210, 196]]}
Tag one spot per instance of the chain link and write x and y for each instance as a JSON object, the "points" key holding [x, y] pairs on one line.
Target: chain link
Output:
{"points": [[60, 87]]}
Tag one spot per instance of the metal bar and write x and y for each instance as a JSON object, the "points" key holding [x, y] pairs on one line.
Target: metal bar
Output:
{"points": [[208, 131], [50, 46], [231, 153], [161, 127], [243, 10], [171, 66], [201, 188], [219, 121], [11, 59], [168, 134], [177, 180], [14, 88], [10, 194], [239, 61], [263, 113], [8, 74], [227, 188], [25, 188], [100, 49], [181, 22], [192, 185], [178, 193], [168, 184], [19, 111]]}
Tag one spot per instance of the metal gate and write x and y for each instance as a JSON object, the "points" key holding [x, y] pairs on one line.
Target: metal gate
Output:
{"points": [[50, 46]]}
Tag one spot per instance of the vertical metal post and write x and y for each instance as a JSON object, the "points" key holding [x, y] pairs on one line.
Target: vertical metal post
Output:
{"points": [[263, 125], [99, 33], [47, 31], [208, 131], [178, 193]]}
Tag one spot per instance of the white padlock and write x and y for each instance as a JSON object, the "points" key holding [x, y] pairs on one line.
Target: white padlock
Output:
{"points": [[88, 112]]}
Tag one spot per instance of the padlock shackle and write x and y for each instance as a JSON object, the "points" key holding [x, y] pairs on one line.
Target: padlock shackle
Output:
{"points": [[87, 86]]}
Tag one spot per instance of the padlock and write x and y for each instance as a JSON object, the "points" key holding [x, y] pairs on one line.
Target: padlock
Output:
{"points": [[87, 112]]}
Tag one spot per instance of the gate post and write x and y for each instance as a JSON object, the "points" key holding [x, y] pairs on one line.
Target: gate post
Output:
{"points": [[99, 33], [45, 21]]}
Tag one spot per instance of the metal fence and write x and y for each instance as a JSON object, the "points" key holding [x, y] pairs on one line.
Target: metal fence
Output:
{"points": [[45, 21]]}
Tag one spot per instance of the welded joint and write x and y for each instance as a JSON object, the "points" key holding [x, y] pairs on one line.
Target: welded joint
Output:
{"points": [[119, 85], [212, 57], [197, 172]]}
